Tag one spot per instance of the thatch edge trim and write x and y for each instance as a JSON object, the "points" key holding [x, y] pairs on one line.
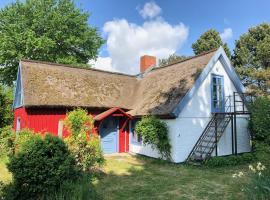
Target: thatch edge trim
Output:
{"points": [[74, 67]]}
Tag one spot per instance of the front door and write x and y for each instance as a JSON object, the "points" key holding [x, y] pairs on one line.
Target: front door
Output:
{"points": [[217, 93], [109, 135]]}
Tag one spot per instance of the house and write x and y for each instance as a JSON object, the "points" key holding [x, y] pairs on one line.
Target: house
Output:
{"points": [[201, 99]]}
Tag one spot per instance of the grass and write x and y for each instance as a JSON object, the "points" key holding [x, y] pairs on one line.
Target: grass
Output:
{"points": [[5, 176], [136, 177]]}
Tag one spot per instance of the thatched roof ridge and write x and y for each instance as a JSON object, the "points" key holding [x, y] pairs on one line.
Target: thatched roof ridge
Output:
{"points": [[157, 93]]}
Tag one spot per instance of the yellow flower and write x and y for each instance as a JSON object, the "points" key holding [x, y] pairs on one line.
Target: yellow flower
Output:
{"points": [[240, 174]]}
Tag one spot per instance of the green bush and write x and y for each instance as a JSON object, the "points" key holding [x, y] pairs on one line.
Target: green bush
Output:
{"points": [[7, 138], [155, 133], [87, 152], [78, 121], [260, 118], [23, 137], [231, 160], [84, 145], [40, 166]]}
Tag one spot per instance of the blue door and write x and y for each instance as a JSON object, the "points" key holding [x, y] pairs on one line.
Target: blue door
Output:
{"points": [[217, 93], [109, 135]]}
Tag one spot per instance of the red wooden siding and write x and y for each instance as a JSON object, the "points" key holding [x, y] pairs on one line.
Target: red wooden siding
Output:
{"points": [[42, 120], [46, 120]]}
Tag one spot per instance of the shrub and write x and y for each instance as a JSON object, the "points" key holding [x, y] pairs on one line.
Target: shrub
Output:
{"points": [[23, 137], [78, 121], [81, 142], [231, 160], [40, 167], [260, 118], [87, 152], [7, 138], [155, 133]]}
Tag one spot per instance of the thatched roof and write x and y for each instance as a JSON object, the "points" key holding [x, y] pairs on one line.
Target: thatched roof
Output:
{"points": [[157, 93]]}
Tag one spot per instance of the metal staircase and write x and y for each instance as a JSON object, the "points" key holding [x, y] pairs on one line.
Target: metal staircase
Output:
{"points": [[234, 105], [212, 133]]}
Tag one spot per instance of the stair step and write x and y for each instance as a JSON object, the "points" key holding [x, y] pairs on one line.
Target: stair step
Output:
{"points": [[203, 146], [201, 152]]}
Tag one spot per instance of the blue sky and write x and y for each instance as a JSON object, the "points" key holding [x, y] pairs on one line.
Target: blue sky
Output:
{"points": [[162, 27]]}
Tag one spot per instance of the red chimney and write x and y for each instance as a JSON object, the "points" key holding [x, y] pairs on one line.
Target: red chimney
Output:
{"points": [[146, 62]]}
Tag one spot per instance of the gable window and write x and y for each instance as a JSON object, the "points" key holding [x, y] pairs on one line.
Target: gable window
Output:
{"points": [[217, 94]]}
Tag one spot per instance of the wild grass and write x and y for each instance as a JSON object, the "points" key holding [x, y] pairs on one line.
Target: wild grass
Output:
{"points": [[131, 177], [136, 177], [5, 175]]}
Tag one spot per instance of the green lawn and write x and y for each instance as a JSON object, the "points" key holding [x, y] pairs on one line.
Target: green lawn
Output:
{"points": [[134, 177], [137, 177], [5, 176]]}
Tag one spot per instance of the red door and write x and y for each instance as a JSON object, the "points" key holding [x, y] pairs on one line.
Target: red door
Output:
{"points": [[123, 135]]}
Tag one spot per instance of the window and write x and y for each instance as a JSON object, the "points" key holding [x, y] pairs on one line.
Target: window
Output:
{"points": [[217, 94], [60, 128], [18, 125], [135, 137]]}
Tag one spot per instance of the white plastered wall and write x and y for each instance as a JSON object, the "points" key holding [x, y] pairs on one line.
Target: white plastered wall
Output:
{"points": [[185, 130]]}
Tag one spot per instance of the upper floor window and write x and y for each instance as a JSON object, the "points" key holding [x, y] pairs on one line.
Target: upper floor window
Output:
{"points": [[217, 94]]}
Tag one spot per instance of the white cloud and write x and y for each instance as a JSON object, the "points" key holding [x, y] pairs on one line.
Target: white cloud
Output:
{"points": [[150, 10], [126, 42], [226, 34], [103, 63]]}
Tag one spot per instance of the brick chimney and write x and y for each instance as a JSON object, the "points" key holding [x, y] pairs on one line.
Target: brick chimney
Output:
{"points": [[146, 62]]}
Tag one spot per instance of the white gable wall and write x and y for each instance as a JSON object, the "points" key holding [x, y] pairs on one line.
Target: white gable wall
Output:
{"points": [[185, 130]]}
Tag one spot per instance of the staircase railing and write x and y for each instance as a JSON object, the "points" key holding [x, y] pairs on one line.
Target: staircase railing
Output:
{"points": [[210, 136]]}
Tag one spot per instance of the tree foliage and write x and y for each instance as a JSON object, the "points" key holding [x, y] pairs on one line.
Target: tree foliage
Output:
{"points": [[6, 98], [252, 58], [48, 30], [208, 41], [155, 133], [260, 118], [173, 58]]}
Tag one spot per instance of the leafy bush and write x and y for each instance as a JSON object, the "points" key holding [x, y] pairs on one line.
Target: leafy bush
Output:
{"points": [[78, 121], [260, 118], [87, 152], [81, 142], [262, 152], [231, 160], [40, 166], [155, 133], [7, 138], [23, 137]]}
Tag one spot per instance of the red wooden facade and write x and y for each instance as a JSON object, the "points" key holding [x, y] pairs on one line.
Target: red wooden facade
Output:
{"points": [[47, 120]]}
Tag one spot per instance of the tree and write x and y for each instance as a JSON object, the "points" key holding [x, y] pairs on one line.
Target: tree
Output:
{"points": [[48, 30], [6, 114], [173, 58], [252, 58], [208, 41]]}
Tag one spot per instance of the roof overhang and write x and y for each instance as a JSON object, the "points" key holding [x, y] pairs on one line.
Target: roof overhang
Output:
{"points": [[116, 111]]}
